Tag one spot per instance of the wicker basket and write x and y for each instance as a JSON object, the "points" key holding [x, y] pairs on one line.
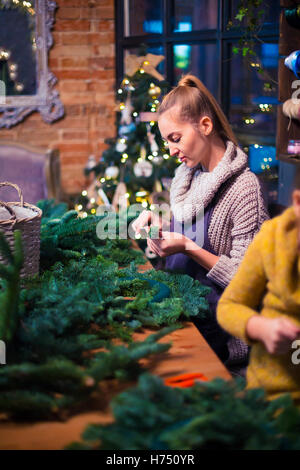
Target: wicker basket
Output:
{"points": [[26, 218]]}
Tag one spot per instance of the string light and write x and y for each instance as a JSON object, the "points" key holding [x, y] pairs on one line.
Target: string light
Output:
{"points": [[93, 211], [150, 157], [4, 55], [135, 114], [92, 200], [84, 193], [19, 86], [102, 180], [120, 91], [155, 153], [142, 71], [166, 156], [122, 106], [152, 123], [265, 107], [125, 156]]}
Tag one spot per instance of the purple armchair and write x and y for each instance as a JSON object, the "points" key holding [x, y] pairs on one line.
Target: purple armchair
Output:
{"points": [[35, 171]]}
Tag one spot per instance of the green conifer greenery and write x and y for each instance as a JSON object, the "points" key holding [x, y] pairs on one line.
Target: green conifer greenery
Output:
{"points": [[212, 415], [77, 305], [10, 286]]}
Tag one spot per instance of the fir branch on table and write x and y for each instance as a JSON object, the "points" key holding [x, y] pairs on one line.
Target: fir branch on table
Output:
{"points": [[58, 387], [186, 294], [67, 236], [209, 415], [76, 306]]}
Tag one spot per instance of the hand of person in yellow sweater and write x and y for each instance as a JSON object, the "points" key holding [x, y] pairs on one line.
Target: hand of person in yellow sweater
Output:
{"points": [[276, 334]]}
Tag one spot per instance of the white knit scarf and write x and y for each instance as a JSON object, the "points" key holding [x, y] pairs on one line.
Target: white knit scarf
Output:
{"points": [[192, 189]]}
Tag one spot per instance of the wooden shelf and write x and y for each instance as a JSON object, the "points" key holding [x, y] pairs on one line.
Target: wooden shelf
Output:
{"points": [[289, 158]]}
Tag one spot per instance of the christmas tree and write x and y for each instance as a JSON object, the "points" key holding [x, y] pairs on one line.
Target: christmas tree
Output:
{"points": [[135, 168]]}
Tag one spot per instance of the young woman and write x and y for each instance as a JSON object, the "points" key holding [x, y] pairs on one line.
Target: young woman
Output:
{"points": [[261, 305], [214, 191]]}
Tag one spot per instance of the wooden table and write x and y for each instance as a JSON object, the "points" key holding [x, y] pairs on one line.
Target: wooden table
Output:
{"points": [[189, 353]]}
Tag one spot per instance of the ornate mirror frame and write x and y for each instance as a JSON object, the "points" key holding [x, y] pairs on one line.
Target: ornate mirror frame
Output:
{"points": [[13, 109]]}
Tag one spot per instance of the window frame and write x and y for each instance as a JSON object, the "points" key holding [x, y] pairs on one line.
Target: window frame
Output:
{"points": [[222, 37]]}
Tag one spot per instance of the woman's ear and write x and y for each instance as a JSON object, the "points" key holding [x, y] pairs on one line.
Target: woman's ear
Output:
{"points": [[205, 125], [296, 202]]}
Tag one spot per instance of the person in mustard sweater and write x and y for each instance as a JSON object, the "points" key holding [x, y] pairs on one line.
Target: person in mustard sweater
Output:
{"points": [[261, 305]]}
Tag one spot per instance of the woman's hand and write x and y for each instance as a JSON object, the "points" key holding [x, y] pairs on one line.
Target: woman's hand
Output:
{"points": [[169, 244], [276, 334], [146, 219]]}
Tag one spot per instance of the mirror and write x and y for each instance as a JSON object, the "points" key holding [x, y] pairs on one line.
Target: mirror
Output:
{"points": [[26, 83]]}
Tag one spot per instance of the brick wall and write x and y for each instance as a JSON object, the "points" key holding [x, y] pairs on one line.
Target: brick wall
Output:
{"points": [[83, 60]]}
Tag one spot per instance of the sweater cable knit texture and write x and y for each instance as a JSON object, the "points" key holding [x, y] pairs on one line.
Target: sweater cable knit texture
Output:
{"points": [[239, 211]]}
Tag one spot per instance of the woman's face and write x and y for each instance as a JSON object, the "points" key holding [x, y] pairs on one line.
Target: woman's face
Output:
{"points": [[184, 141]]}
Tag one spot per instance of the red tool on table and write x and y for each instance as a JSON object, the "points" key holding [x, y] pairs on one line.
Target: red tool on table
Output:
{"points": [[185, 380]]}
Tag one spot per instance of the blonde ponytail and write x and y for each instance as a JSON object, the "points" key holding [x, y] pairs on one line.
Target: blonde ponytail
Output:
{"points": [[195, 100]]}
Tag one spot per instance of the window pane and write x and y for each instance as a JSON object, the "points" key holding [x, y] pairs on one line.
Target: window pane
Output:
{"points": [[254, 95], [17, 43], [195, 15], [142, 17], [271, 10], [199, 59], [157, 50], [253, 113]]}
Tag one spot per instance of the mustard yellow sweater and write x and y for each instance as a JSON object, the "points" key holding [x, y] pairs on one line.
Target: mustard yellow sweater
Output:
{"points": [[267, 282]]}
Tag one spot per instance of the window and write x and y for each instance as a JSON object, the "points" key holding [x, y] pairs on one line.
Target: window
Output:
{"points": [[193, 36]]}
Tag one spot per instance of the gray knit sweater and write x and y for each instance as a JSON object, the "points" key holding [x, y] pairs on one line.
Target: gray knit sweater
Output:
{"points": [[238, 214]]}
